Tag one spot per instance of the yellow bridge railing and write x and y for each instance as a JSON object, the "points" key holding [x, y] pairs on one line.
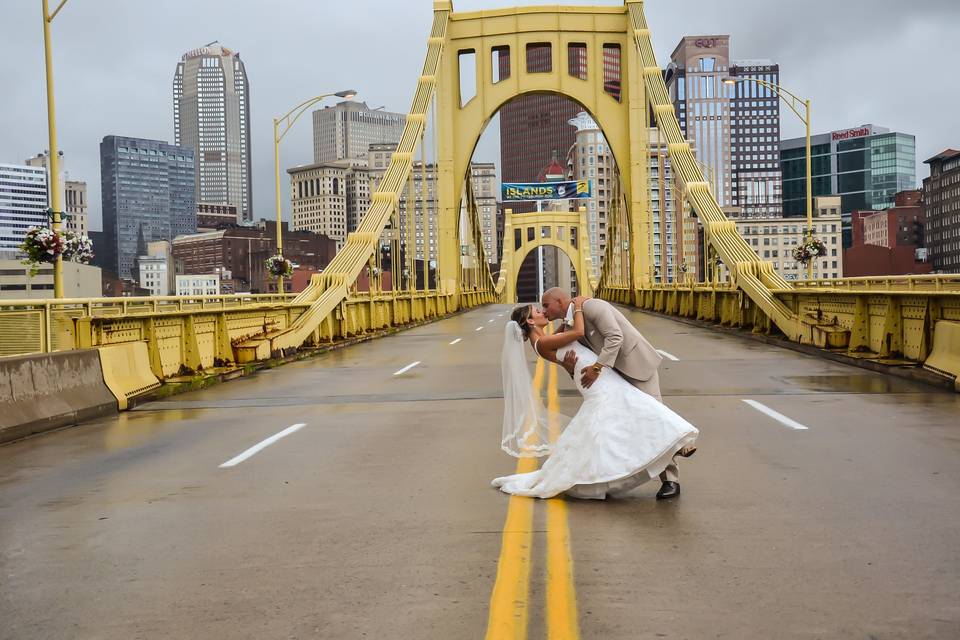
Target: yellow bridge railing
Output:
{"points": [[40, 326]]}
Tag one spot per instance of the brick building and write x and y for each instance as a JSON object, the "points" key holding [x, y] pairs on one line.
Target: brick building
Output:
{"points": [[941, 200], [237, 254], [212, 217], [889, 242]]}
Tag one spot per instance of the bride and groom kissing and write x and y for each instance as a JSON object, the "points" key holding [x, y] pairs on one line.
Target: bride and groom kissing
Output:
{"points": [[622, 435]]}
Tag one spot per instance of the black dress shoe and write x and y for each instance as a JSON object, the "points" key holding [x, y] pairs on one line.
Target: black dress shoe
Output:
{"points": [[686, 452], [668, 490]]}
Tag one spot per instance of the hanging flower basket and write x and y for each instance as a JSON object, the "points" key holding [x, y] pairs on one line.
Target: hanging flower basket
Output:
{"points": [[279, 267], [41, 245], [811, 249], [77, 247]]}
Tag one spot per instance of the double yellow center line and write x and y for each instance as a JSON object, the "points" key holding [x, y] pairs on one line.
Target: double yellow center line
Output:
{"points": [[561, 594], [509, 602]]}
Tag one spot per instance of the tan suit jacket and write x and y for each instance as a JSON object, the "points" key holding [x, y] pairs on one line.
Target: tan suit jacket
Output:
{"points": [[607, 332]]}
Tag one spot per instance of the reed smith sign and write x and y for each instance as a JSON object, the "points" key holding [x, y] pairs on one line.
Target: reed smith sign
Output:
{"points": [[851, 133]]}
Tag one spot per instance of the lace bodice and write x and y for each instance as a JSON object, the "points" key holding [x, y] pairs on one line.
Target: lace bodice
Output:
{"points": [[586, 357]]}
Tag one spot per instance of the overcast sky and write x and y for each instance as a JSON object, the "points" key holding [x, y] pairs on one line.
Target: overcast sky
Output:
{"points": [[860, 61]]}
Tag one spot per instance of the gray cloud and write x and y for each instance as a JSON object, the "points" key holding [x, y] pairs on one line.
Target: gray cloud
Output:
{"points": [[858, 60]]}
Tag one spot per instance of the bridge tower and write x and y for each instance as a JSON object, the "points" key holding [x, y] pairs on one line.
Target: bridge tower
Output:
{"points": [[593, 60]]}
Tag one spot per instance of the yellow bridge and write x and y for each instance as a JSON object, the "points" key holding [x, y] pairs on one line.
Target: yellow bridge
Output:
{"points": [[349, 496], [897, 320]]}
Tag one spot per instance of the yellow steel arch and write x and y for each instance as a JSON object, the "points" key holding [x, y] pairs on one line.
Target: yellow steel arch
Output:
{"points": [[566, 31], [547, 228]]}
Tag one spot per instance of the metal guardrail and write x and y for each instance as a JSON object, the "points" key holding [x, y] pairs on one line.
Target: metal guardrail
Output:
{"points": [[898, 318], [147, 304], [919, 283], [880, 284], [42, 326]]}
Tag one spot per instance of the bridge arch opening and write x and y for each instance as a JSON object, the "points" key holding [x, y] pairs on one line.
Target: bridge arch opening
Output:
{"points": [[557, 256], [571, 141]]}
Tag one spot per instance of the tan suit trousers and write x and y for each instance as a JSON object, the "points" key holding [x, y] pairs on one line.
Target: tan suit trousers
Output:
{"points": [[652, 387]]}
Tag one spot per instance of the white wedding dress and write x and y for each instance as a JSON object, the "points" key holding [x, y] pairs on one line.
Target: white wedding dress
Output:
{"points": [[620, 438]]}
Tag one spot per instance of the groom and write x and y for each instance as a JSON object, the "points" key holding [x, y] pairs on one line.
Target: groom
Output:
{"points": [[621, 347]]}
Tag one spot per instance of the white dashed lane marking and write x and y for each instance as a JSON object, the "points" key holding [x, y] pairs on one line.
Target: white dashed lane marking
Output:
{"points": [[776, 415], [406, 368], [263, 444]]}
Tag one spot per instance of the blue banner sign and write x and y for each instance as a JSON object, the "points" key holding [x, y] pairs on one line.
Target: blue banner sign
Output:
{"points": [[571, 190]]}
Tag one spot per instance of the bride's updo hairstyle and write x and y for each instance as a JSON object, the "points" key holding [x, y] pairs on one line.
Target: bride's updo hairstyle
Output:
{"points": [[520, 315]]}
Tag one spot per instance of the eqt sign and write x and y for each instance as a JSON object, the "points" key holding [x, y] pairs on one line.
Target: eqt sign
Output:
{"points": [[709, 43]]}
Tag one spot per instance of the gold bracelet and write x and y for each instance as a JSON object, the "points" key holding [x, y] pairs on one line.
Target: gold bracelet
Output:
{"points": [[576, 311]]}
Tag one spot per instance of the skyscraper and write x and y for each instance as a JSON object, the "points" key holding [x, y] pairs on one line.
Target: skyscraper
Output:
{"points": [[866, 166], [702, 101], [735, 129], [319, 200], [347, 130], [75, 199], [756, 181], [23, 205], [484, 176], [591, 159], [148, 189], [211, 114], [74, 195]]}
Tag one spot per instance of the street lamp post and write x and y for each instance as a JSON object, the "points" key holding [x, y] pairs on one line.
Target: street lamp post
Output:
{"points": [[53, 161], [795, 103], [287, 121]]}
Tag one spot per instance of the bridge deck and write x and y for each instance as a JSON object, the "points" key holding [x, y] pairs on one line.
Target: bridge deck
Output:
{"points": [[376, 519]]}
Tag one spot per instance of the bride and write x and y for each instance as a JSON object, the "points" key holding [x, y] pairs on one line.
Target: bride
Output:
{"points": [[620, 438]]}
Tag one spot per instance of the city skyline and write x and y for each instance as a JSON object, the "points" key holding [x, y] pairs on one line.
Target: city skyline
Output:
{"points": [[137, 88]]}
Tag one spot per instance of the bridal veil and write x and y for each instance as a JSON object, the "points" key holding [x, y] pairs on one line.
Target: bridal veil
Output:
{"points": [[526, 422]]}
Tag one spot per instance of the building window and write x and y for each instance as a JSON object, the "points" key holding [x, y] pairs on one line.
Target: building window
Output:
{"points": [[611, 70], [500, 63], [539, 57], [577, 60]]}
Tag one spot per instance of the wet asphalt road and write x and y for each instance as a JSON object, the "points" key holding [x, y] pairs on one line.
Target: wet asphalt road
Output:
{"points": [[375, 519]]}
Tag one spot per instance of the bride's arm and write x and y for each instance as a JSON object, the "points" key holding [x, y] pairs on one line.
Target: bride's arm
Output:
{"points": [[554, 341]]}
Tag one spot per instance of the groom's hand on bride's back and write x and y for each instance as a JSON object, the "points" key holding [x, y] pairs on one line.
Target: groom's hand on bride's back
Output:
{"points": [[588, 376], [570, 362]]}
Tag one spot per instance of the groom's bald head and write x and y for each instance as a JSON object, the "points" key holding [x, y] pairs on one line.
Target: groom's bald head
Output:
{"points": [[555, 302]]}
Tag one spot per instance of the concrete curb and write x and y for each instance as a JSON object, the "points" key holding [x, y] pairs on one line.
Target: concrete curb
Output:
{"points": [[47, 391], [912, 372]]}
